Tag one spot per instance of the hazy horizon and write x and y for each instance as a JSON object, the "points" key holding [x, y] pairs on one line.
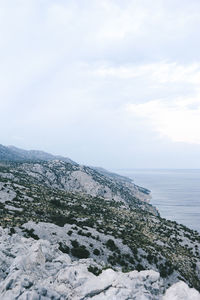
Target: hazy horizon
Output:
{"points": [[113, 169], [106, 83]]}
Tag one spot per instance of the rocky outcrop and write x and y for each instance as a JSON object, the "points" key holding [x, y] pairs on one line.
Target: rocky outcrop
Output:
{"points": [[39, 270]]}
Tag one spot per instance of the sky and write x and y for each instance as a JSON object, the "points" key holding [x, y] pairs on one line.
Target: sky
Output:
{"points": [[108, 83]]}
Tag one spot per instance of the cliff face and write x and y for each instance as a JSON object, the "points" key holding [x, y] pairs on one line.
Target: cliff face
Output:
{"points": [[39, 270]]}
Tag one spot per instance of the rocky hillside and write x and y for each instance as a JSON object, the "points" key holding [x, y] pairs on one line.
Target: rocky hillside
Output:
{"points": [[123, 233], [92, 215], [76, 178], [32, 269]]}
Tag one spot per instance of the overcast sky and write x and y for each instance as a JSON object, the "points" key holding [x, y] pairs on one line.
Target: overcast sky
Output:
{"points": [[109, 83]]}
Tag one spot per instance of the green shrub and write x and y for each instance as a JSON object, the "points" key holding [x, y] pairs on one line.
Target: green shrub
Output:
{"points": [[56, 203], [140, 267], [80, 252], [30, 233], [163, 271], [12, 230], [63, 248], [110, 244], [96, 252], [75, 243], [61, 220], [150, 258], [94, 270]]}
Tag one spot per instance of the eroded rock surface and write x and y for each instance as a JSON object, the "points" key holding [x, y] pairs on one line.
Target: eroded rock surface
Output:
{"points": [[38, 270]]}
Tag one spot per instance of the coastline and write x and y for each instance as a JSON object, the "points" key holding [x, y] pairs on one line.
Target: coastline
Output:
{"points": [[174, 193]]}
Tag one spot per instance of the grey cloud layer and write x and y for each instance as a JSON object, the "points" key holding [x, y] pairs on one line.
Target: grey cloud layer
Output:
{"points": [[74, 75]]}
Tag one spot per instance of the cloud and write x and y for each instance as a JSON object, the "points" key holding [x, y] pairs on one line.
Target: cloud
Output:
{"points": [[84, 74], [161, 72], [178, 120]]}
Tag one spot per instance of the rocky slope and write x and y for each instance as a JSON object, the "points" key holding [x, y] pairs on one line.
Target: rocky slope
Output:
{"points": [[123, 235], [39, 270], [76, 178], [91, 214]]}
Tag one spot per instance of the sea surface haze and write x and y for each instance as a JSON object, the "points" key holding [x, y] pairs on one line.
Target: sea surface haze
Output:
{"points": [[175, 192]]}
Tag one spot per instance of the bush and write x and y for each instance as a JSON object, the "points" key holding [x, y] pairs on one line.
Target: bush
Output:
{"points": [[96, 252], [88, 234], [80, 252], [75, 243], [134, 251], [139, 267], [150, 258], [111, 260], [110, 244], [122, 262], [63, 248], [56, 203], [12, 230], [61, 220], [163, 271], [94, 270], [30, 233]]}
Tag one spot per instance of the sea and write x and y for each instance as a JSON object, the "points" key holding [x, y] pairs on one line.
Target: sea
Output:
{"points": [[175, 192]]}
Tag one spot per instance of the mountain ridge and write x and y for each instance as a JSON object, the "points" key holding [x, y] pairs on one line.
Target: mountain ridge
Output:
{"points": [[17, 154]]}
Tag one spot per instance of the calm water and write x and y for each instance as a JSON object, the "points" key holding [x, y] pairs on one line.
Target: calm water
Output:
{"points": [[176, 193]]}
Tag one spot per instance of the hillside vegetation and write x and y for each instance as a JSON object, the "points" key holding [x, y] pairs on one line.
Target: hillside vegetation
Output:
{"points": [[89, 214]]}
